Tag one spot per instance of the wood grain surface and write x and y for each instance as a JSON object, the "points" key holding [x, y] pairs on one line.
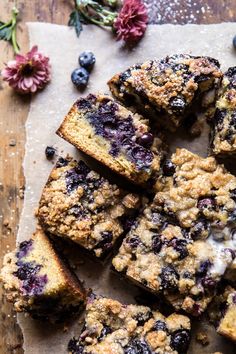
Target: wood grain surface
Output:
{"points": [[14, 110]]}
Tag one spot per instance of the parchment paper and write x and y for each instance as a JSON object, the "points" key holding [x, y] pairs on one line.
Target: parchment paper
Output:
{"points": [[47, 111]]}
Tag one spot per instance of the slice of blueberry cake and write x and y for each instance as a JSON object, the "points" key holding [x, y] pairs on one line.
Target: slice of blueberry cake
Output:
{"points": [[185, 240], [37, 281], [224, 122], [80, 205], [113, 135], [111, 327], [168, 88]]}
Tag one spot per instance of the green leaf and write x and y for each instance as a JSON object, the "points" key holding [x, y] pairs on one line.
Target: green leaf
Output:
{"points": [[5, 31], [75, 21]]}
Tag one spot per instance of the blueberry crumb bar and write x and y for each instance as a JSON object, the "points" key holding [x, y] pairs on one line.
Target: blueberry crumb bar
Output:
{"points": [[114, 136], [111, 327], [184, 241], [224, 122], [80, 205], [168, 88], [227, 325], [222, 311], [37, 281]]}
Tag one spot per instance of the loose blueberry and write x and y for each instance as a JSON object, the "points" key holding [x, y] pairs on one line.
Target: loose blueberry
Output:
{"points": [[105, 331], [234, 42], [206, 203], [50, 152], [159, 326], [156, 243], [137, 347], [168, 168], [146, 140], [80, 77], [180, 341], [87, 60], [74, 347], [169, 278]]}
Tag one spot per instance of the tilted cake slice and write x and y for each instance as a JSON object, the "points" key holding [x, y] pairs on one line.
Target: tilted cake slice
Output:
{"points": [[80, 205], [224, 122], [183, 243], [111, 327], [168, 88], [113, 135], [37, 281]]}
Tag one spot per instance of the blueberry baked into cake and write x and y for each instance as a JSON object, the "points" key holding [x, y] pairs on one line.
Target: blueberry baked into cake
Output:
{"points": [[113, 135], [169, 88], [184, 241], [224, 122], [80, 205], [111, 327], [37, 281]]}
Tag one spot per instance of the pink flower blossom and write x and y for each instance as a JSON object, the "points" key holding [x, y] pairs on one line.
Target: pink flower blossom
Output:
{"points": [[131, 22], [28, 73]]}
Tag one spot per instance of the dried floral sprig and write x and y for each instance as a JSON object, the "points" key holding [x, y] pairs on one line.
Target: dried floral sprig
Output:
{"points": [[8, 30], [90, 11], [129, 24]]}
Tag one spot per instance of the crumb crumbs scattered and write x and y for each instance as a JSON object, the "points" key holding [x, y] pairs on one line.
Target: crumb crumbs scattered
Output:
{"points": [[202, 338], [22, 192], [12, 142], [5, 222]]}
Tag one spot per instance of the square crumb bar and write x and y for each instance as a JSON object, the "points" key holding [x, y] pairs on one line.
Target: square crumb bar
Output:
{"points": [[227, 325], [114, 136], [224, 122], [37, 281], [80, 205], [185, 240], [168, 88], [222, 312], [111, 327]]}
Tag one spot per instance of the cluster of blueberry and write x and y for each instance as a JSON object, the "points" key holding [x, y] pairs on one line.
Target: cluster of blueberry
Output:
{"points": [[80, 76]]}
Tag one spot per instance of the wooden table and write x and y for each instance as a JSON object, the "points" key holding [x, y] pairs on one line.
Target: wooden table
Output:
{"points": [[14, 110]]}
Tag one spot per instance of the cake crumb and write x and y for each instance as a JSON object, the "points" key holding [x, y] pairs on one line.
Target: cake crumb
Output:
{"points": [[12, 142], [202, 338], [5, 222]]}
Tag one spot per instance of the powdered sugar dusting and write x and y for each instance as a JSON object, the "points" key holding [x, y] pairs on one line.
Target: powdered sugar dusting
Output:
{"points": [[173, 11]]}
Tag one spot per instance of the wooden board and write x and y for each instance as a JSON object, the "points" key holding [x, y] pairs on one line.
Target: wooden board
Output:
{"points": [[14, 110]]}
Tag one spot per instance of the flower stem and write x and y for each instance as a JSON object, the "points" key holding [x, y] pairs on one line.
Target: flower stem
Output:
{"points": [[13, 27]]}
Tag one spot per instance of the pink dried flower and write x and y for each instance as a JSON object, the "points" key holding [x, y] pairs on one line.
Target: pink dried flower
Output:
{"points": [[131, 22], [27, 73]]}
